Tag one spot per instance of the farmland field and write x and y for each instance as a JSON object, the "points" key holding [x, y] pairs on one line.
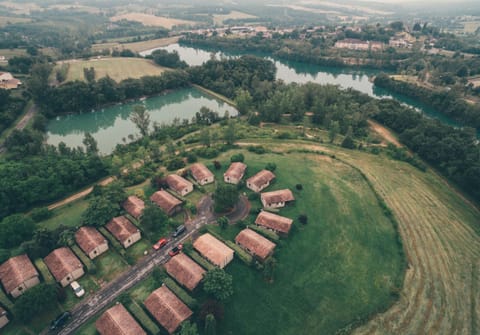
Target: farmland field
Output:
{"points": [[4, 20], [344, 264], [117, 68], [136, 46], [152, 20], [233, 15]]}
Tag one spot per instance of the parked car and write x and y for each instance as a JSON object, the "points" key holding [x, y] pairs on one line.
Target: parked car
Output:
{"points": [[60, 321], [179, 231], [77, 289], [161, 243], [175, 250]]}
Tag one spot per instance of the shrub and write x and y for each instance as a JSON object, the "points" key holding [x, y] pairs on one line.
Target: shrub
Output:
{"points": [[237, 158], [217, 165], [303, 219], [253, 196], [271, 167], [299, 187], [191, 157], [258, 149], [40, 214], [175, 164]]}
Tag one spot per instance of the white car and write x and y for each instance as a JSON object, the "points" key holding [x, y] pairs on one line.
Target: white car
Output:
{"points": [[77, 289]]}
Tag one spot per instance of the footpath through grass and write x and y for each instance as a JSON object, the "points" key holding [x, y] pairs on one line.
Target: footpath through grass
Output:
{"points": [[344, 265]]}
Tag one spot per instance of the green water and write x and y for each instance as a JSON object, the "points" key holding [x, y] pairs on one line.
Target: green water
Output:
{"points": [[112, 125]]}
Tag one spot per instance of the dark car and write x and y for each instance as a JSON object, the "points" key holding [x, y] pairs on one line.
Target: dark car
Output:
{"points": [[60, 321], [175, 250], [179, 231]]}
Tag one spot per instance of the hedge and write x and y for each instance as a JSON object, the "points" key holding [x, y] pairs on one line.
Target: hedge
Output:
{"points": [[84, 258], [271, 235], [5, 301], [143, 318], [200, 260], [42, 267], [180, 292], [241, 254], [113, 241]]}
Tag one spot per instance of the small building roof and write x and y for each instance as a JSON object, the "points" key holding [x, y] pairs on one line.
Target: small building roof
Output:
{"points": [[15, 271], [235, 170], [185, 271], [167, 308], [177, 183], [121, 228], [200, 172], [88, 238], [61, 262], [261, 178], [134, 206], [2, 311], [212, 249], [278, 196], [118, 321], [274, 221], [255, 242], [165, 200]]}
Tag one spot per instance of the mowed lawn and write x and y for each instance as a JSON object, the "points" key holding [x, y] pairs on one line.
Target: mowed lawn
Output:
{"points": [[343, 265], [116, 68]]}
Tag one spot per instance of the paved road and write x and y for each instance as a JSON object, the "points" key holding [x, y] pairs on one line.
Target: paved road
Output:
{"points": [[85, 310], [23, 122]]}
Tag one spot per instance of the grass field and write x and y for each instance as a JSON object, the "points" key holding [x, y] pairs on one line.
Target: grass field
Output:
{"points": [[152, 20], [136, 46], [5, 20], [344, 264], [218, 19], [69, 215], [117, 68]]}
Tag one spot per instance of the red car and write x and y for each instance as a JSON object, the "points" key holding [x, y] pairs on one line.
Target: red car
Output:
{"points": [[161, 242], [175, 250]]}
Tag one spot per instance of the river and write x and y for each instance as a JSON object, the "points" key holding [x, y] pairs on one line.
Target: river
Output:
{"points": [[112, 125]]}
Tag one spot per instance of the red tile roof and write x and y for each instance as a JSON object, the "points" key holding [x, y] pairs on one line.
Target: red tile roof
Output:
{"points": [[200, 172], [256, 243], [165, 201], [167, 308], [88, 238], [236, 170], [213, 249], [134, 206], [278, 196], [15, 271], [261, 178], [118, 321], [121, 228], [177, 183], [62, 262], [185, 271], [274, 221]]}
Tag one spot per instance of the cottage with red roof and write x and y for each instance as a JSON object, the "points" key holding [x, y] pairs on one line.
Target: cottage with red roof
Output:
{"points": [[167, 202], [277, 223], [17, 275], [91, 241], [185, 271], [276, 199], [215, 251], [64, 265], [202, 174], [260, 181], [179, 185], [235, 173], [134, 206], [255, 244], [124, 231], [118, 321]]}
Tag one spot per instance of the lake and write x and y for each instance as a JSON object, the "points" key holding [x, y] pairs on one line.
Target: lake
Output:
{"points": [[112, 125]]}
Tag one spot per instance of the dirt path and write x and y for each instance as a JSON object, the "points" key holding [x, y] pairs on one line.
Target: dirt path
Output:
{"points": [[80, 194], [384, 133], [23, 122]]}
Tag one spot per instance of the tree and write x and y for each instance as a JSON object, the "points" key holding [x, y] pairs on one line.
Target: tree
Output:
{"points": [[222, 222], [271, 167], [205, 137], [333, 130], [237, 158], [269, 268], [141, 118], [36, 300], [210, 325], [211, 306], [99, 211], [90, 144], [188, 328], [15, 229], [218, 283], [89, 74], [154, 219], [229, 133], [244, 101], [226, 196]]}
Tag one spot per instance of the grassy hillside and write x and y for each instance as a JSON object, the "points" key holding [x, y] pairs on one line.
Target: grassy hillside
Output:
{"points": [[117, 68]]}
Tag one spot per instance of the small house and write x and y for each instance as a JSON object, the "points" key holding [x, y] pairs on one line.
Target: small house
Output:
{"points": [[124, 231], [179, 185], [7, 81], [134, 206], [201, 174], [276, 199], [167, 309], [167, 202], [18, 274], [235, 173], [213, 250], [118, 321], [64, 266], [260, 181], [277, 223], [91, 241], [185, 271], [255, 244], [3, 318]]}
